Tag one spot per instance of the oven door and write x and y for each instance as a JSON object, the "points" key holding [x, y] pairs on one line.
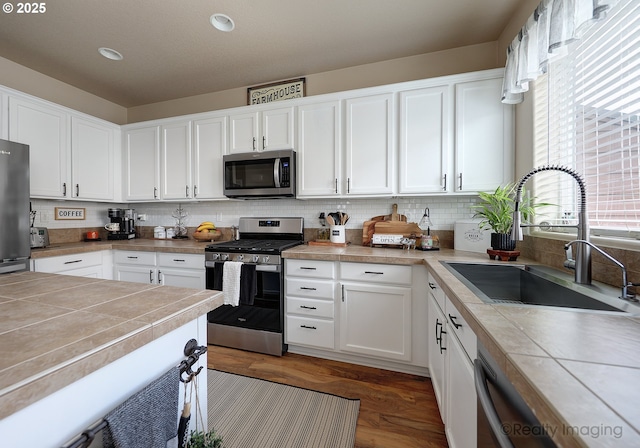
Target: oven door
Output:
{"points": [[265, 314]]}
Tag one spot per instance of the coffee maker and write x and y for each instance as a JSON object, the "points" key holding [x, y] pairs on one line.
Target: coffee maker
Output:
{"points": [[122, 225]]}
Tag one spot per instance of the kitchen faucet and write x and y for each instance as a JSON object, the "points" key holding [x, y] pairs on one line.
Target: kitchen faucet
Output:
{"points": [[625, 283], [583, 251]]}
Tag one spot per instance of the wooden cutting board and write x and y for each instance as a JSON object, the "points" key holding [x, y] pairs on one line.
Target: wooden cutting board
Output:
{"points": [[396, 228], [368, 227]]}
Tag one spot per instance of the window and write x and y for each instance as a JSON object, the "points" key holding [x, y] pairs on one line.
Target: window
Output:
{"points": [[587, 117]]}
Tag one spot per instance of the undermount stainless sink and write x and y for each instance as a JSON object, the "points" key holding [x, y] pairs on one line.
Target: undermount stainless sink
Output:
{"points": [[532, 285]]}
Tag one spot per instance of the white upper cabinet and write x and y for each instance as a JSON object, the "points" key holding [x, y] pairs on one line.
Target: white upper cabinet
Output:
{"points": [[45, 130], [484, 137], [92, 159], [209, 145], [265, 130], [70, 156], [424, 128], [142, 164], [176, 161], [4, 116], [370, 148], [319, 150]]}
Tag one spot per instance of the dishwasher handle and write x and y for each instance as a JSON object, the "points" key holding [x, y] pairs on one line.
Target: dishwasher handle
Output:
{"points": [[482, 391]]}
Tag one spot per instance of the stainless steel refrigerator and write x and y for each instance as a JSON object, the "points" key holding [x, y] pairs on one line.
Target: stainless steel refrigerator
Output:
{"points": [[15, 246]]}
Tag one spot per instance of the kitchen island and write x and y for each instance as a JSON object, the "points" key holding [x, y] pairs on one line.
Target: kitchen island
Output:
{"points": [[578, 370], [72, 348]]}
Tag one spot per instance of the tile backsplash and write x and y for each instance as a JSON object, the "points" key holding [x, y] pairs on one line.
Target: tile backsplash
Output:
{"points": [[444, 211]]}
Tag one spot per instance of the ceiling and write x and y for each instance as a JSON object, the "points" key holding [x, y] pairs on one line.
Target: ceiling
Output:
{"points": [[171, 50]]}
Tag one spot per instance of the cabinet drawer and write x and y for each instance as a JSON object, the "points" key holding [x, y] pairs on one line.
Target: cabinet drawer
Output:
{"points": [[312, 332], [376, 273], [67, 262], [310, 307], [310, 268], [186, 261], [436, 291], [135, 257], [458, 326], [302, 287]]}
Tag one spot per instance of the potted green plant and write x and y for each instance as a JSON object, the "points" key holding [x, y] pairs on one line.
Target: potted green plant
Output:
{"points": [[496, 211], [199, 439]]}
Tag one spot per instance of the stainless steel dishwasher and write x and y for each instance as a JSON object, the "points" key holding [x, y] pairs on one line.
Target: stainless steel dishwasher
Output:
{"points": [[504, 419]]}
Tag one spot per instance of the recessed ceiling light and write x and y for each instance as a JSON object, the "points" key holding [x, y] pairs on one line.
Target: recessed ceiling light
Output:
{"points": [[222, 22], [110, 53]]}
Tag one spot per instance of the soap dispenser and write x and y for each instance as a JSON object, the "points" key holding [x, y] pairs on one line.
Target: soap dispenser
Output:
{"points": [[429, 240]]}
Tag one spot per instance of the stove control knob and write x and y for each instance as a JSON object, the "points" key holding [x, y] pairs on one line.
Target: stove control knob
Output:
{"points": [[256, 258], [224, 257], [240, 257], [216, 256], [265, 259]]}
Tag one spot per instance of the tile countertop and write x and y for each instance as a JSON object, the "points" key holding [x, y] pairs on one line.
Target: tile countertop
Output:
{"points": [[579, 371], [56, 329]]}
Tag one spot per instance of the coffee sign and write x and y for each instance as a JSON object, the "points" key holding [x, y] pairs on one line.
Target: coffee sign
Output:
{"points": [[69, 213], [277, 91]]}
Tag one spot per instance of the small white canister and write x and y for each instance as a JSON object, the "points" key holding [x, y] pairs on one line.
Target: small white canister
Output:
{"points": [[337, 234], [159, 232], [171, 232]]}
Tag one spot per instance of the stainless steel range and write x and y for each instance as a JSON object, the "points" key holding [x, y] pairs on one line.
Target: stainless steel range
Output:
{"points": [[257, 322]]}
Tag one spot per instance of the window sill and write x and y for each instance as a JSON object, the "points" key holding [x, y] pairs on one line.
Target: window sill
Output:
{"points": [[604, 241]]}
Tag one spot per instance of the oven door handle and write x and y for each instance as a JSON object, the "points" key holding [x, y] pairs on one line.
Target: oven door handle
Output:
{"points": [[482, 391], [259, 267]]}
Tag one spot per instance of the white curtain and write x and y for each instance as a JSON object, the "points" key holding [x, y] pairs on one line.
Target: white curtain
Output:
{"points": [[553, 24]]}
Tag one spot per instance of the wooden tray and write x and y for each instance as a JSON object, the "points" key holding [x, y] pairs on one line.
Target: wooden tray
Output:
{"points": [[327, 243]]}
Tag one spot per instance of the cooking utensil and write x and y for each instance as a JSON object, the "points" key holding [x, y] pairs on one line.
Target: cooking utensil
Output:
{"points": [[330, 220]]}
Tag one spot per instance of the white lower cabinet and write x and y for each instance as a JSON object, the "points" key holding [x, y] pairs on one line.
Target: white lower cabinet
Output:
{"points": [[362, 313], [452, 347], [170, 269], [90, 264]]}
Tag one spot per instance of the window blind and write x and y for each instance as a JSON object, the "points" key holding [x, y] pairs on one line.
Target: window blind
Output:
{"points": [[587, 117]]}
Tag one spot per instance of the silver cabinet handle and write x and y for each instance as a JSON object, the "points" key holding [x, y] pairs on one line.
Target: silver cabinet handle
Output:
{"points": [[155, 192], [186, 191], [254, 143], [307, 269], [336, 185], [64, 189], [460, 186], [444, 187], [151, 276], [374, 272], [77, 190], [195, 191], [342, 288], [264, 142], [348, 185], [160, 277]]}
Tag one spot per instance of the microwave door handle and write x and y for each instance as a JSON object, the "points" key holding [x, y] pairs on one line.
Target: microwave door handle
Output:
{"points": [[276, 172]]}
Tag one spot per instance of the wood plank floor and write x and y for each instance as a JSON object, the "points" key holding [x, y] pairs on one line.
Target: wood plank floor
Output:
{"points": [[397, 410]]}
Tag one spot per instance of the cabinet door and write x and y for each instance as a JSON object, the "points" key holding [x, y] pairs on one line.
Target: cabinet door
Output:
{"points": [[376, 320], [142, 164], [4, 116], [437, 354], [210, 144], [424, 140], [136, 274], [370, 150], [92, 155], [176, 161], [277, 129], [243, 130], [183, 278], [484, 137], [45, 130], [319, 150], [461, 400]]}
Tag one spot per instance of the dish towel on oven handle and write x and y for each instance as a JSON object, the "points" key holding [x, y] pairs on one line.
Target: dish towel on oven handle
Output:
{"points": [[231, 282], [248, 284]]}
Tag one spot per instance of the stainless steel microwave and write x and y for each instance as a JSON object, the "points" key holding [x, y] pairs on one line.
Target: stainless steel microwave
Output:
{"points": [[255, 175]]}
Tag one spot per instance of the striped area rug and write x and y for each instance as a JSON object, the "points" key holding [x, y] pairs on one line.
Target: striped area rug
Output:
{"points": [[249, 412]]}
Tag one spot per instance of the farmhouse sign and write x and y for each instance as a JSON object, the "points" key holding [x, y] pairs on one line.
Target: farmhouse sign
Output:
{"points": [[69, 213], [277, 91]]}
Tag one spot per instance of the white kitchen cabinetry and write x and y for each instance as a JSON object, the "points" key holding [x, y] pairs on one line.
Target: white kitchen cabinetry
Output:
{"points": [[484, 137], [171, 269], [70, 156], [370, 145], [453, 346], [424, 128], [375, 310], [309, 303], [4, 116], [209, 145], [265, 130], [92, 159], [46, 130], [175, 160], [89, 264], [319, 150], [142, 164]]}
